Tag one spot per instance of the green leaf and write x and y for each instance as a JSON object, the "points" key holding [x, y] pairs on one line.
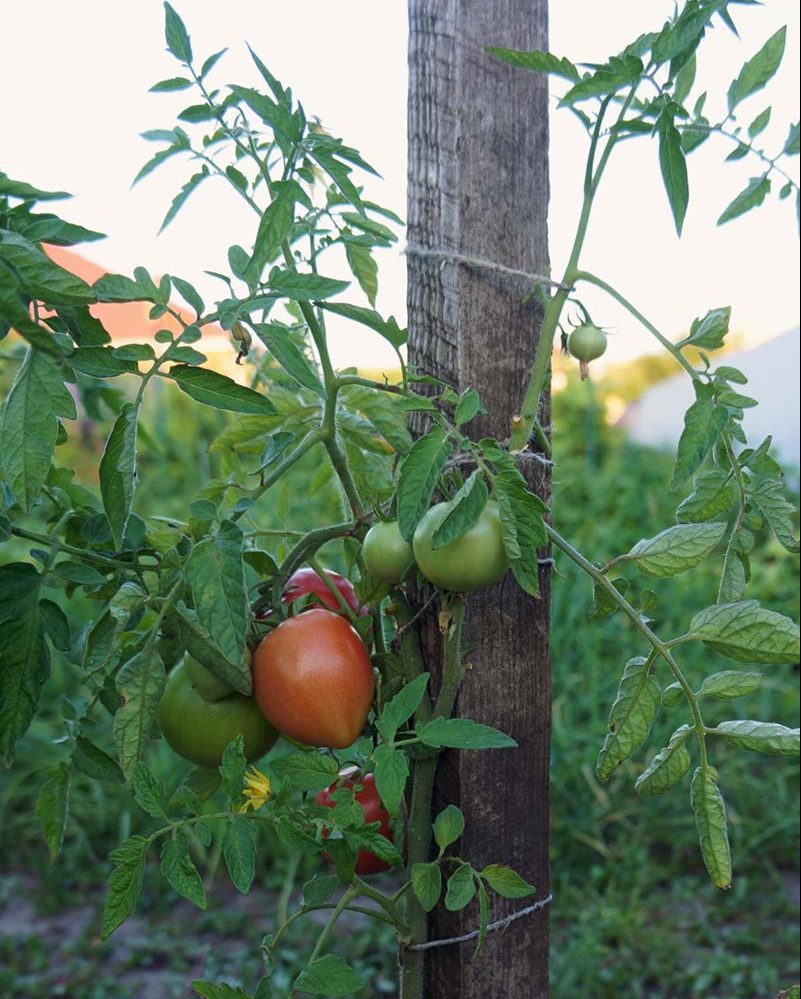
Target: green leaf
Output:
{"points": [[24, 654], [462, 733], [276, 339], [329, 976], [118, 471], [603, 603], [52, 808], [506, 882], [730, 683], [210, 990], [40, 278], [168, 86], [426, 884], [710, 332], [522, 526], [668, 766], [638, 698], [677, 548], [140, 683], [537, 62], [418, 477], [319, 889], [202, 646], [177, 867], [760, 737], [232, 770], [758, 70], [303, 287], [747, 632], [760, 123], [461, 888], [125, 883], [674, 168], [29, 424], [387, 328], [768, 494], [710, 820], [703, 423], [713, 494], [176, 35], [305, 771], [215, 572], [239, 850], [402, 706], [101, 362], [752, 196], [468, 406], [275, 226], [382, 409], [180, 198], [464, 510], [364, 268], [95, 762], [448, 826], [149, 792], [219, 391], [617, 73], [483, 919]]}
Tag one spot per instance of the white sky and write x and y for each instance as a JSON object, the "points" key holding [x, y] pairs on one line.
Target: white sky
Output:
{"points": [[75, 76]]}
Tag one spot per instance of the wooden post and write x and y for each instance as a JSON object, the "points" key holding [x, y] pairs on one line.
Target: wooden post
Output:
{"points": [[478, 188]]}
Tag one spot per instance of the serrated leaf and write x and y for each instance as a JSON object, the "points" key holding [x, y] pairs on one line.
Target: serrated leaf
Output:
{"points": [[710, 820], [506, 882], [232, 770], [757, 189], [140, 683], [319, 889], [149, 792], [364, 269], [210, 990], [462, 733], [468, 407], [747, 632], [713, 494], [638, 698], [758, 70], [730, 683], [674, 168], [275, 226], [305, 771], [29, 424], [710, 331], [703, 423], [677, 548], [448, 826], [38, 276], [464, 509], [125, 883], [768, 494], [522, 526], [177, 867], [669, 765], [760, 123], [760, 737], [118, 471], [461, 888], [239, 850], [603, 603], [418, 477], [52, 808], [328, 976], [24, 654], [537, 62], [95, 762], [383, 411], [304, 287], [176, 35], [201, 645], [216, 575], [219, 391], [426, 884], [387, 328], [402, 706], [608, 79], [276, 339]]}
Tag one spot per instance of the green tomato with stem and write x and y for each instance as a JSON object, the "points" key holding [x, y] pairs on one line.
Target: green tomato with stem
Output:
{"points": [[387, 555], [470, 562], [586, 343]]}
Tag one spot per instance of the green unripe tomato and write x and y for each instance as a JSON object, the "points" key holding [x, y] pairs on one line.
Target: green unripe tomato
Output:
{"points": [[199, 730], [586, 343], [386, 555], [470, 562], [204, 681]]}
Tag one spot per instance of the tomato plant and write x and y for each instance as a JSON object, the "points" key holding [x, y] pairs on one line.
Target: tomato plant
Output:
{"points": [[199, 727], [368, 799], [313, 680], [163, 588]]}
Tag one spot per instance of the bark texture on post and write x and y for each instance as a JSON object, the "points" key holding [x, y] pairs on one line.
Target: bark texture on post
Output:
{"points": [[478, 187]]}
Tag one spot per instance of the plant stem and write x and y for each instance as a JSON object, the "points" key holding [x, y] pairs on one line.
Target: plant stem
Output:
{"points": [[322, 940], [420, 833]]}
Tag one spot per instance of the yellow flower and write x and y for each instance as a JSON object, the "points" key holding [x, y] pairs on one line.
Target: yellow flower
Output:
{"points": [[257, 790]]}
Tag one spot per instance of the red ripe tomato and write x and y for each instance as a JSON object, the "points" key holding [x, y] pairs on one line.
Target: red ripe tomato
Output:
{"points": [[306, 581], [313, 680], [374, 811]]}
